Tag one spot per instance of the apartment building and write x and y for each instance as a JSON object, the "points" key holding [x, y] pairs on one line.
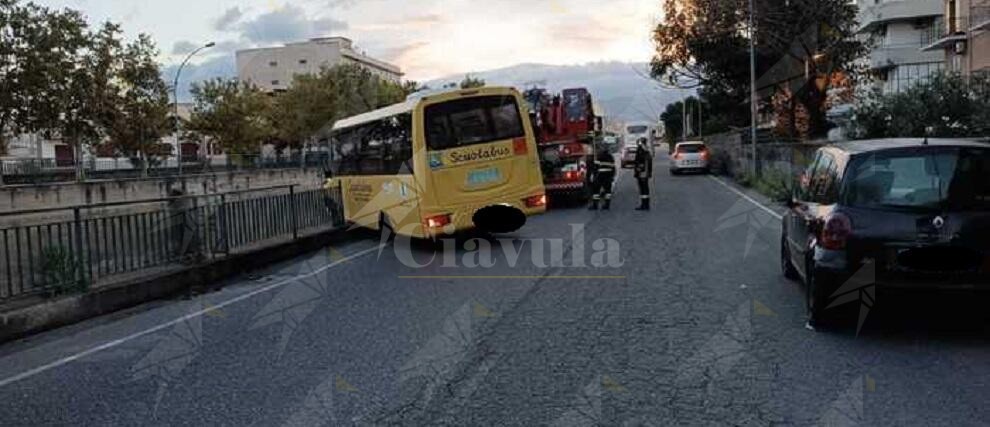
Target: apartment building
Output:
{"points": [[964, 36], [899, 31], [273, 68]]}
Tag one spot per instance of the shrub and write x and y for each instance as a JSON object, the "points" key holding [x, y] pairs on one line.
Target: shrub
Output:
{"points": [[62, 271]]}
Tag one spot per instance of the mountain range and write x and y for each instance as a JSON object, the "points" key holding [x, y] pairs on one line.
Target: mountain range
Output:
{"points": [[624, 90]]}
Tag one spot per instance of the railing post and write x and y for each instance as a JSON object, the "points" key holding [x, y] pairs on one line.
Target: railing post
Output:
{"points": [[292, 212], [224, 232], [78, 245]]}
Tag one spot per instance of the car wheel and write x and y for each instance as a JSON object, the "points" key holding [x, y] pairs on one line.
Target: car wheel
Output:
{"points": [[785, 261], [675, 172]]}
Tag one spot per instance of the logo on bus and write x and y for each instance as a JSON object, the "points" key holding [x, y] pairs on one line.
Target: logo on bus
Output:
{"points": [[436, 160], [479, 154]]}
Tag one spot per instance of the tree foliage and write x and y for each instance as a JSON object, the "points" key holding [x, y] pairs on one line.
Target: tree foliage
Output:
{"points": [[801, 46], [301, 115], [62, 79], [947, 106], [232, 114], [471, 82]]}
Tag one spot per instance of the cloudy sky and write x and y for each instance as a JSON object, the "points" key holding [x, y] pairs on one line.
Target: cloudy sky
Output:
{"points": [[427, 38]]}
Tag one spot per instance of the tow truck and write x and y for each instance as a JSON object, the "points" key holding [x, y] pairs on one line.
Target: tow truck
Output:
{"points": [[566, 127]]}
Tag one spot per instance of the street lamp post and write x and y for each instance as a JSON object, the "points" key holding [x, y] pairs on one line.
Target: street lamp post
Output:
{"points": [[175, 101], [752, 81]]}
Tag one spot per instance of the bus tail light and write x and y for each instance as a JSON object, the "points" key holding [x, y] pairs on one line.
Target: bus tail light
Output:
{"points": [[836, 232], [536, 201], [438, 221], [520, 147]]}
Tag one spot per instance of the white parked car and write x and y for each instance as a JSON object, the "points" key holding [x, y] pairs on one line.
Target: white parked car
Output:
{"points": [[690, 156]]}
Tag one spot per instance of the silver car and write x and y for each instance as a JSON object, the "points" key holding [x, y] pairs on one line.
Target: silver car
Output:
{"points": [[690, 156]]}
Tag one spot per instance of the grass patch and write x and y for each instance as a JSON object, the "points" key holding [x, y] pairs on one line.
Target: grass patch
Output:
{"points": [[777, 185]]}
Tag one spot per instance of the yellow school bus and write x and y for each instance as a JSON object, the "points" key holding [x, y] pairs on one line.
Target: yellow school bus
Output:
{"points": [[438, 164]]}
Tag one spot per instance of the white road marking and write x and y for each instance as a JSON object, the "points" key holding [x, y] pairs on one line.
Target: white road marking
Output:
{"points": [[749, 199], [163, 326]]}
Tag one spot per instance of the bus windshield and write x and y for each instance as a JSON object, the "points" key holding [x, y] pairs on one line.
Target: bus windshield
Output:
{"points": [[472, 121]]}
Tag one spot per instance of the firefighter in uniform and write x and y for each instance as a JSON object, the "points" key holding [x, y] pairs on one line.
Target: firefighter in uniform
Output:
{"points": [[603, 176], [644, 172]]}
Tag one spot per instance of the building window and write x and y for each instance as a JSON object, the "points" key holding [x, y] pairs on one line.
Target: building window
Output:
{"points": [[303, 62], [273, 64], [275, 82]]}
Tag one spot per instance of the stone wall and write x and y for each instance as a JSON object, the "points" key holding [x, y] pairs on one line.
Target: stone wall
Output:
{"points": [[66, 195], [731, 157]]}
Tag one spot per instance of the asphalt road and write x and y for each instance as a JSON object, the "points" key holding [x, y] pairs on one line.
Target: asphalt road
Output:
{"points": [[695, 327]]}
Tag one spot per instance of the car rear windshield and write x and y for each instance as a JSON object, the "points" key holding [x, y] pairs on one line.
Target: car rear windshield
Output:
{"points": [[942, 178], [637, 129], [691, 148], [472, 121]]}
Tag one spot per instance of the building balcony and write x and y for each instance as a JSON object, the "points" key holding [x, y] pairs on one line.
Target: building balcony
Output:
{"points": [[898, 10], [883, 57], [948, 33], [980, 17]]}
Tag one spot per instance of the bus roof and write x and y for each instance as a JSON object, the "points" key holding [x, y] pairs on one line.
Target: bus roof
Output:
{"points": [[379, 114], [410, 104]]}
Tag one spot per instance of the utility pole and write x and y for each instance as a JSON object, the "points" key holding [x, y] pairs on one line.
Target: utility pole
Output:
{"points": [[684, 126], [752, 79], [175, 99], [701, 122]]}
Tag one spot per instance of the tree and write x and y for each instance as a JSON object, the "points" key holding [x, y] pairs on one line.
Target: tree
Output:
{"points": [[802, 46], [308, 109], [138, 117], [232, 114], [410, 87], [309, 106], [470, 82], [43, 84], [63, 104]]}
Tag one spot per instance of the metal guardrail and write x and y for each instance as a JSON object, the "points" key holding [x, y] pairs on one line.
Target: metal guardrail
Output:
{"points": [[68, 256], [48, 170]]}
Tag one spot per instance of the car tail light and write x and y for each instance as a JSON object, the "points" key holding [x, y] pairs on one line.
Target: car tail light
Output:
{"points": [[536, 201], [520, 147], [836, 231], [438, 221], [704, 155], [677, 156]]}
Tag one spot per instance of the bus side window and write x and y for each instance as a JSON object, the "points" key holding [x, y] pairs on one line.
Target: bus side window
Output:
{"points": [[398, 158]]}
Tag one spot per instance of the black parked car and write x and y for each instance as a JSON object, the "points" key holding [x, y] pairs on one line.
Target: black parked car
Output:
{"points": [[915, 213]]}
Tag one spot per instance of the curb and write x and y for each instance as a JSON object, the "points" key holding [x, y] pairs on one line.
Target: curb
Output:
{"points": [[51, 314]]}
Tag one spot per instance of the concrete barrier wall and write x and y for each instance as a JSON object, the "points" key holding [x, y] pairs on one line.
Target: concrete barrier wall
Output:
{"points": [[731, 157], [46, 196]]}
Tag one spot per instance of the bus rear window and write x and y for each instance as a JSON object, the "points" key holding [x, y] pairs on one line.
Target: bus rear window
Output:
{"points": [[472, 121]]}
